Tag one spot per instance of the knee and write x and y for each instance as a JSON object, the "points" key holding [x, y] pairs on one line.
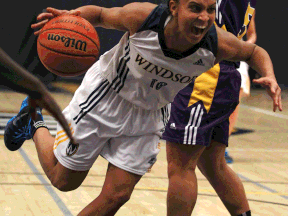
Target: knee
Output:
{"points": [[65, 186], [180, 170], [118, 198], [211, 168], [203, 169], [173, 170]]}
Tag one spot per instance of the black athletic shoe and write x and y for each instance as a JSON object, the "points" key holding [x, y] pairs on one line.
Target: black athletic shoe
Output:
{"points": [[22, 127]]}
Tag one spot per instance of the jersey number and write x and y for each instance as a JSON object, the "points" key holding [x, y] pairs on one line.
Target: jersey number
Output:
{"points": [[157, 85]]}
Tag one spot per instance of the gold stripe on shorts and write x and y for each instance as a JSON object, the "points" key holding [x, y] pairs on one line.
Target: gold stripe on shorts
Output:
{"points": [[61, 138]]}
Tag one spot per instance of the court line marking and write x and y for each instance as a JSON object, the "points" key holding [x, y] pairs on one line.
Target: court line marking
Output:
{"points": [[263, 186], [213, 191], [103, 176], [157, 189], [279, 150], [47, 186], [267, 112], [65, 210]]}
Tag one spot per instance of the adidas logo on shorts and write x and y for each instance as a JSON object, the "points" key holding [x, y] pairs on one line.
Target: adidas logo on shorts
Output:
{"points": [[199, 62], [172, 126]]}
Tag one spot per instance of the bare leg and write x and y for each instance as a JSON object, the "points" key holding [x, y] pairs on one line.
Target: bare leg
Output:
{"points": [[44, 142], [116, 191], [223, 179], [61, 177], [182, 190]]}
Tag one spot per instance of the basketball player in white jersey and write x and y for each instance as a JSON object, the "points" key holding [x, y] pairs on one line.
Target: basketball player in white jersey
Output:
{"points": [[121, 108]]}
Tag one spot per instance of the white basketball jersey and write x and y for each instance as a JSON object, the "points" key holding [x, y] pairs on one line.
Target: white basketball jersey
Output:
{"points": [[145, 72]]}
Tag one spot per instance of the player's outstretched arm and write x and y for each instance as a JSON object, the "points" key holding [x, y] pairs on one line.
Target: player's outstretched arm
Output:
{"points": [[18, 79], [232, 49], [126, 18]]}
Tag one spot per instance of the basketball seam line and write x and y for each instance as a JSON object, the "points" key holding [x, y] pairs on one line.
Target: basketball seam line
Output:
{"points": [[75, 32], [82, 55]]}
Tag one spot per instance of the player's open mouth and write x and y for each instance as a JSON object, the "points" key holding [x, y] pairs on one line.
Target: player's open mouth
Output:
{"points": [[198, 30]]}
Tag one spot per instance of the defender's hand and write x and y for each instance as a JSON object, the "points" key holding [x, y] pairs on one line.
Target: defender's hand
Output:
{"points": [[273, 90]]}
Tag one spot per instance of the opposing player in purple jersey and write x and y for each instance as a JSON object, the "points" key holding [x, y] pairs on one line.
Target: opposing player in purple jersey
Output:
{"points": [[198, 130], [243, 69]]}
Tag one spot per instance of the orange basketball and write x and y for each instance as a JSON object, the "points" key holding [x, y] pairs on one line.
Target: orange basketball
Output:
{"points": [[68, 45]]}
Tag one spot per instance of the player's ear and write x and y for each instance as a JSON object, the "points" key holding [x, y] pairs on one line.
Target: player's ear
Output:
{"points": [[173, 5]]}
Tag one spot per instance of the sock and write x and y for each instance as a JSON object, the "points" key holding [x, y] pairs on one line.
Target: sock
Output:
{"points": [[38, 122]]}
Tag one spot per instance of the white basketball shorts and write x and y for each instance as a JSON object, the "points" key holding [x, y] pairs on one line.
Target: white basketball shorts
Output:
{"points": [[245, 80], [103, 123]]}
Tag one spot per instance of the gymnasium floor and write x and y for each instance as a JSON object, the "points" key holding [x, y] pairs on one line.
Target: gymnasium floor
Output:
{"points": [[258, 146]]}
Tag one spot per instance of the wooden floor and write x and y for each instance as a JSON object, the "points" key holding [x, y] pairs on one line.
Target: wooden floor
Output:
{"points": [[259, 149]]}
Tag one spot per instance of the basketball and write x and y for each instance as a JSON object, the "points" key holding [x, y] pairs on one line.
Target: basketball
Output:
{"points": [[68, 45]]}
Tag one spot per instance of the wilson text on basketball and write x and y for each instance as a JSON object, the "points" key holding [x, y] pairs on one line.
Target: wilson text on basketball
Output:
{"points": [[68, 42]]}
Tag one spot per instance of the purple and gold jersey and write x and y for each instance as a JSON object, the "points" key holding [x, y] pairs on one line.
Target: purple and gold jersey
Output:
{"points": [[200, 112], [234, 16]]}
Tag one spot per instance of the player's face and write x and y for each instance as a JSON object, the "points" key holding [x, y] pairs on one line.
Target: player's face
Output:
{"points": [[194, 18]]}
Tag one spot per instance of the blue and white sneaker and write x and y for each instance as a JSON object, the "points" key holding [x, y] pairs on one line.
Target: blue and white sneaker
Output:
{"points": [[228, 158], [22, 127]]}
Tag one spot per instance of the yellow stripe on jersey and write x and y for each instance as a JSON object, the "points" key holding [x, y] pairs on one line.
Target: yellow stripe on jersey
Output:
{"points": [[249, 13], [204, 87], [222, 27]]}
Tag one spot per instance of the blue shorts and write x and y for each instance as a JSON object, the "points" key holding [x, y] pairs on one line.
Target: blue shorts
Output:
{"points": [[200, 112]]}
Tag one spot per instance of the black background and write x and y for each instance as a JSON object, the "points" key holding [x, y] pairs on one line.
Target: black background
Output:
{"points": [[18, 41]]}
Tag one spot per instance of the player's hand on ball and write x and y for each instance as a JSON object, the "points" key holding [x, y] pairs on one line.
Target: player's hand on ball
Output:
{"points": [[68, 45], [273, 90], [49, 14]]}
